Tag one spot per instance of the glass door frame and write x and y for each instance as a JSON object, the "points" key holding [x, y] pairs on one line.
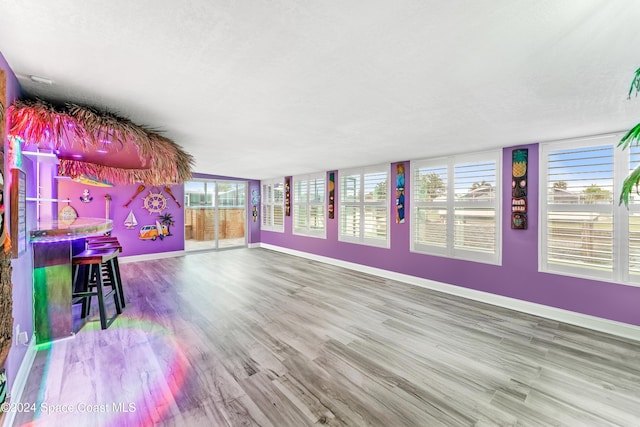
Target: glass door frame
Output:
{"points": [[217, 207]]}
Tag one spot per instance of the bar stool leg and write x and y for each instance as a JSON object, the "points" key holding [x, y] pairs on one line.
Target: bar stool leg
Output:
{"points": [[115, 284], [86, 301], [116, 266], [103, 312]]}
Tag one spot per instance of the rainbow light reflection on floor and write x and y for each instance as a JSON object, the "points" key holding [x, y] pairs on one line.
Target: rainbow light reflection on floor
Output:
{"points": [[142, 393]]}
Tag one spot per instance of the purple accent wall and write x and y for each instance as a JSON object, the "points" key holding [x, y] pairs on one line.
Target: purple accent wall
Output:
{"points": [[120, 194], [22, 266], [517, 277]]}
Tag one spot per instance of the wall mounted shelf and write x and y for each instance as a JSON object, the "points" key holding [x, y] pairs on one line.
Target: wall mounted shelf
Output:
{"points": [[42, 157], [37, 199]]}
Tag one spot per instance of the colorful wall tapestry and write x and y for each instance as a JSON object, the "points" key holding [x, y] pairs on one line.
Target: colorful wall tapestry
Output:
{"points": [[519, 189]]}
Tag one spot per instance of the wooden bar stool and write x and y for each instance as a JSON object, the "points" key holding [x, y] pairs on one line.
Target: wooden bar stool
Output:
{"points": [[94, 260], [112, 245]]}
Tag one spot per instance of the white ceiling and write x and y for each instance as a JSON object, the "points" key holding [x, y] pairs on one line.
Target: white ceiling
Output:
{"points": [[259, 89]]}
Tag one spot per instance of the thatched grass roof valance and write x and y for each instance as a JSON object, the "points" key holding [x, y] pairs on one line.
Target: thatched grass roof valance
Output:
{"points": [[99, 144]]}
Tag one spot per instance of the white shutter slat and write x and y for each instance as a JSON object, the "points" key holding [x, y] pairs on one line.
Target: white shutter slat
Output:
{"points": [[375, 222], [475, 229], [581, 237], [431, 184], [273, 205], [309, 198], [364, 206], [430, 227], [350, 221], [350, 188]]}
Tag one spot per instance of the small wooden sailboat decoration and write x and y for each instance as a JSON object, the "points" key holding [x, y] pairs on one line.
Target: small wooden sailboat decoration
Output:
{"points": [[131, 220]]}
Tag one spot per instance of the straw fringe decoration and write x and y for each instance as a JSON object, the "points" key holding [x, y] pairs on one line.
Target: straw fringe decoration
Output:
{"points": [[38, 122]]}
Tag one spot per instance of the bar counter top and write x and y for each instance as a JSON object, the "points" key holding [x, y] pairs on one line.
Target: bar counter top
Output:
{"points": [[57, 229]]}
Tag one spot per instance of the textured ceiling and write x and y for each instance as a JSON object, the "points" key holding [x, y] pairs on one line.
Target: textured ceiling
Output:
{"points": [[259, 89]]}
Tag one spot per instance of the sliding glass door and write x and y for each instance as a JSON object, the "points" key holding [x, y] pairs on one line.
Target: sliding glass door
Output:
{"points": [[215, 214]]}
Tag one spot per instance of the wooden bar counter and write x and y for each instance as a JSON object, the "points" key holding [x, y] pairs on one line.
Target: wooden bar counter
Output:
{"points": [[53, 247]]}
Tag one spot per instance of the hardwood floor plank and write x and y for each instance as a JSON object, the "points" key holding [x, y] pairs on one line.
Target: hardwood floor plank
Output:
{"points": [[251, 337]]}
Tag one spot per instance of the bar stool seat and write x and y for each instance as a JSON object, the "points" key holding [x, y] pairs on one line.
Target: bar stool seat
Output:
{"points": [[94, 239], [111, 245], [94, 261]]}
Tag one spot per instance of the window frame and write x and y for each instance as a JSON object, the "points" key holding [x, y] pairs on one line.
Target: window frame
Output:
{"points": [[309, 204], [362, 204], [268, 203], [450, 204], [620, 271]]}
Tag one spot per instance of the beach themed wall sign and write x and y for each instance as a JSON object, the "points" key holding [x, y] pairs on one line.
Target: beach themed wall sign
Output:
{"points": [[400, 193], [130, 221], [18, 231], [155, 202], [519, 166], [86, 197], [255, 198], [332, 194], [287, 196], [139, 190]]}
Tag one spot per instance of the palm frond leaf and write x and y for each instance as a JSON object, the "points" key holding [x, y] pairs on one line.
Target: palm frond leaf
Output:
{"points": [[629, 185], [635, 83], [631, 137]]}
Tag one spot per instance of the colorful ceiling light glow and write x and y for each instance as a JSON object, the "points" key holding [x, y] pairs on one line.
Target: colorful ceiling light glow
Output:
{"points": [[95, 143]]}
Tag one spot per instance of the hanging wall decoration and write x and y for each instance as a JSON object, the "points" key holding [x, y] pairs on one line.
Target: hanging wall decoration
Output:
{"points": [[130, 221], [18, 210], [86, 197], [68, 214], [287, 196], [139, 190], [153, 232], [166, 220], [170, 193], [332, 193], [107, 206], [255, 198], [90, 180], [519, 166], [400, 193], [155, 202]]}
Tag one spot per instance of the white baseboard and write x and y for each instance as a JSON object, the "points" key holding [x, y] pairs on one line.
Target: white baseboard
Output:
{"points": [[253, 245], [148, 257], [17, 388], [586, 321]]}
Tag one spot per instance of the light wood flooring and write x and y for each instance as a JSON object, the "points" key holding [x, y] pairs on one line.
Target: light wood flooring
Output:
{"points": [[251, 337]]}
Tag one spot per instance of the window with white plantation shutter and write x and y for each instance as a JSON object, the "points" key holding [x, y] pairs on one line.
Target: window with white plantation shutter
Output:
{"points": [[579, 213], [273, 205], [584, 231], [364, 206], [634, 220], [309, 205], [455, 204]]}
